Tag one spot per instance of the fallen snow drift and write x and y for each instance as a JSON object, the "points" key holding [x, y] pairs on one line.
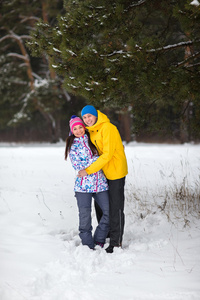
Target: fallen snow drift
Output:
{"points": [[41, 257]]}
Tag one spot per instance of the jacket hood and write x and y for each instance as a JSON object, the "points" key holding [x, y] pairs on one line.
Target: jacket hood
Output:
{"points": [[102, 118]]}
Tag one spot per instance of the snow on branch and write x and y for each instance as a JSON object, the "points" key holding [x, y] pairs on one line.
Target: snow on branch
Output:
{"points": [[8, 36], [36, 76], [165, 48], [71, 52], [17, 55], [187, 59], [67, 96], [141, 2], [192, 66], [21, 113], [24, 56], [41, 82], [25, 18], [113, 53], [170, 47], [19, 82], [26, 37], [195, 3], [12, 35]]}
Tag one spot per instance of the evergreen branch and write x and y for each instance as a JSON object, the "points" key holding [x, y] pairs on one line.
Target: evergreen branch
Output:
{"points": [[66, 94], [141, 2], [36, 76], [113, 53], [194, 65], [8, 36], [11, 35], [19, 82], [17, 55], [187, 59], [165, 48], [15, 36], [23, 65], [24, 55], [170, 47], [26, 37], [25, 18], [21, 113]]}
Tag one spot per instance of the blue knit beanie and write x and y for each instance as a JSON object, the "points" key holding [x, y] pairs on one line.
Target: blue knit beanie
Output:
{"points": [[89, 109]]}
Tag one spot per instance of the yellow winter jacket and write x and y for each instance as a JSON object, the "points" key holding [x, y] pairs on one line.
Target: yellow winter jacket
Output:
{"points": [[112, 160]]}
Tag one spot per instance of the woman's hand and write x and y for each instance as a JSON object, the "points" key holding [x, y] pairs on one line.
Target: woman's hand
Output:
{"points": [[82, 173]]}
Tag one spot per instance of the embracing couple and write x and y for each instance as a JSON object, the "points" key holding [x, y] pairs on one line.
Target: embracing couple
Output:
{"points": [[96, 151]]}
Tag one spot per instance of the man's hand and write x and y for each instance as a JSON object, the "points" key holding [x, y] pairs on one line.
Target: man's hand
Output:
{"points": [[82, 173]]}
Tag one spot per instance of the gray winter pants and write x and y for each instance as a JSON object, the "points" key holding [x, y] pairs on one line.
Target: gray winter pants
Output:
{"points": [[84, 201]]}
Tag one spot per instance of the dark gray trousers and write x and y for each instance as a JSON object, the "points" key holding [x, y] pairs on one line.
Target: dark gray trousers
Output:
{"points": [[116, 204]]}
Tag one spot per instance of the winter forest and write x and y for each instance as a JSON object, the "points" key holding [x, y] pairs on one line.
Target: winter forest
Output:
{"points": [[137, 61]]}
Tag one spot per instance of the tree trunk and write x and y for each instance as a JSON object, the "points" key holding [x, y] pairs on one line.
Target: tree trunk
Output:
{"points": [[185, 121], [125, 125]]}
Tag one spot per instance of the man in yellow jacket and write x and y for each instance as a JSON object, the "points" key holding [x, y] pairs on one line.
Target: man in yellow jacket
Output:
{"points": [[112, 160]]}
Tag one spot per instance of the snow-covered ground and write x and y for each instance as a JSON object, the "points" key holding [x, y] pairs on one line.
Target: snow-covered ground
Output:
{"points": [[41, 257]]}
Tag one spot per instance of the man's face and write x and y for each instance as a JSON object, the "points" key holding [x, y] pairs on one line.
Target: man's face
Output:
{"points": [[89, 119]]}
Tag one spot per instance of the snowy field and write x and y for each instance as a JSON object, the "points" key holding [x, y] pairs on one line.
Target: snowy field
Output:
{"points": [[41, 257]]}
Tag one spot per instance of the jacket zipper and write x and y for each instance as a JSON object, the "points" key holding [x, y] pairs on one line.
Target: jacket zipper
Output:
{"points": [[88, 149], [90, 155], [96, 182]]}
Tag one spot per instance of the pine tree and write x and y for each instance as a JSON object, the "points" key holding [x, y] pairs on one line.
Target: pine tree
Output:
{"points": [[126, 53], [27, 85]]}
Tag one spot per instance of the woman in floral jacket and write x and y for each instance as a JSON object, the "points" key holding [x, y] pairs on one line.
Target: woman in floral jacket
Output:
{"points": [[82, 154]]}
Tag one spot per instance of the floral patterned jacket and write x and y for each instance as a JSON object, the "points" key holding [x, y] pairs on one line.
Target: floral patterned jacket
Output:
{"points": [[81, 157]]}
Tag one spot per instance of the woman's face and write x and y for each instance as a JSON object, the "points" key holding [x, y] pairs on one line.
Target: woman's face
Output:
{"points": [[78, 131], [89, 119]]}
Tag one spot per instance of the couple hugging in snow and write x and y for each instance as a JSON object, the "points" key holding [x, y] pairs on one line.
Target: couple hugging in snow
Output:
{"points": [[96, 151]]}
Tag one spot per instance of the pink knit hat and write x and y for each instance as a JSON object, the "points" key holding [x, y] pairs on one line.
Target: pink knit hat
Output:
{"points": [[74, 122]]}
